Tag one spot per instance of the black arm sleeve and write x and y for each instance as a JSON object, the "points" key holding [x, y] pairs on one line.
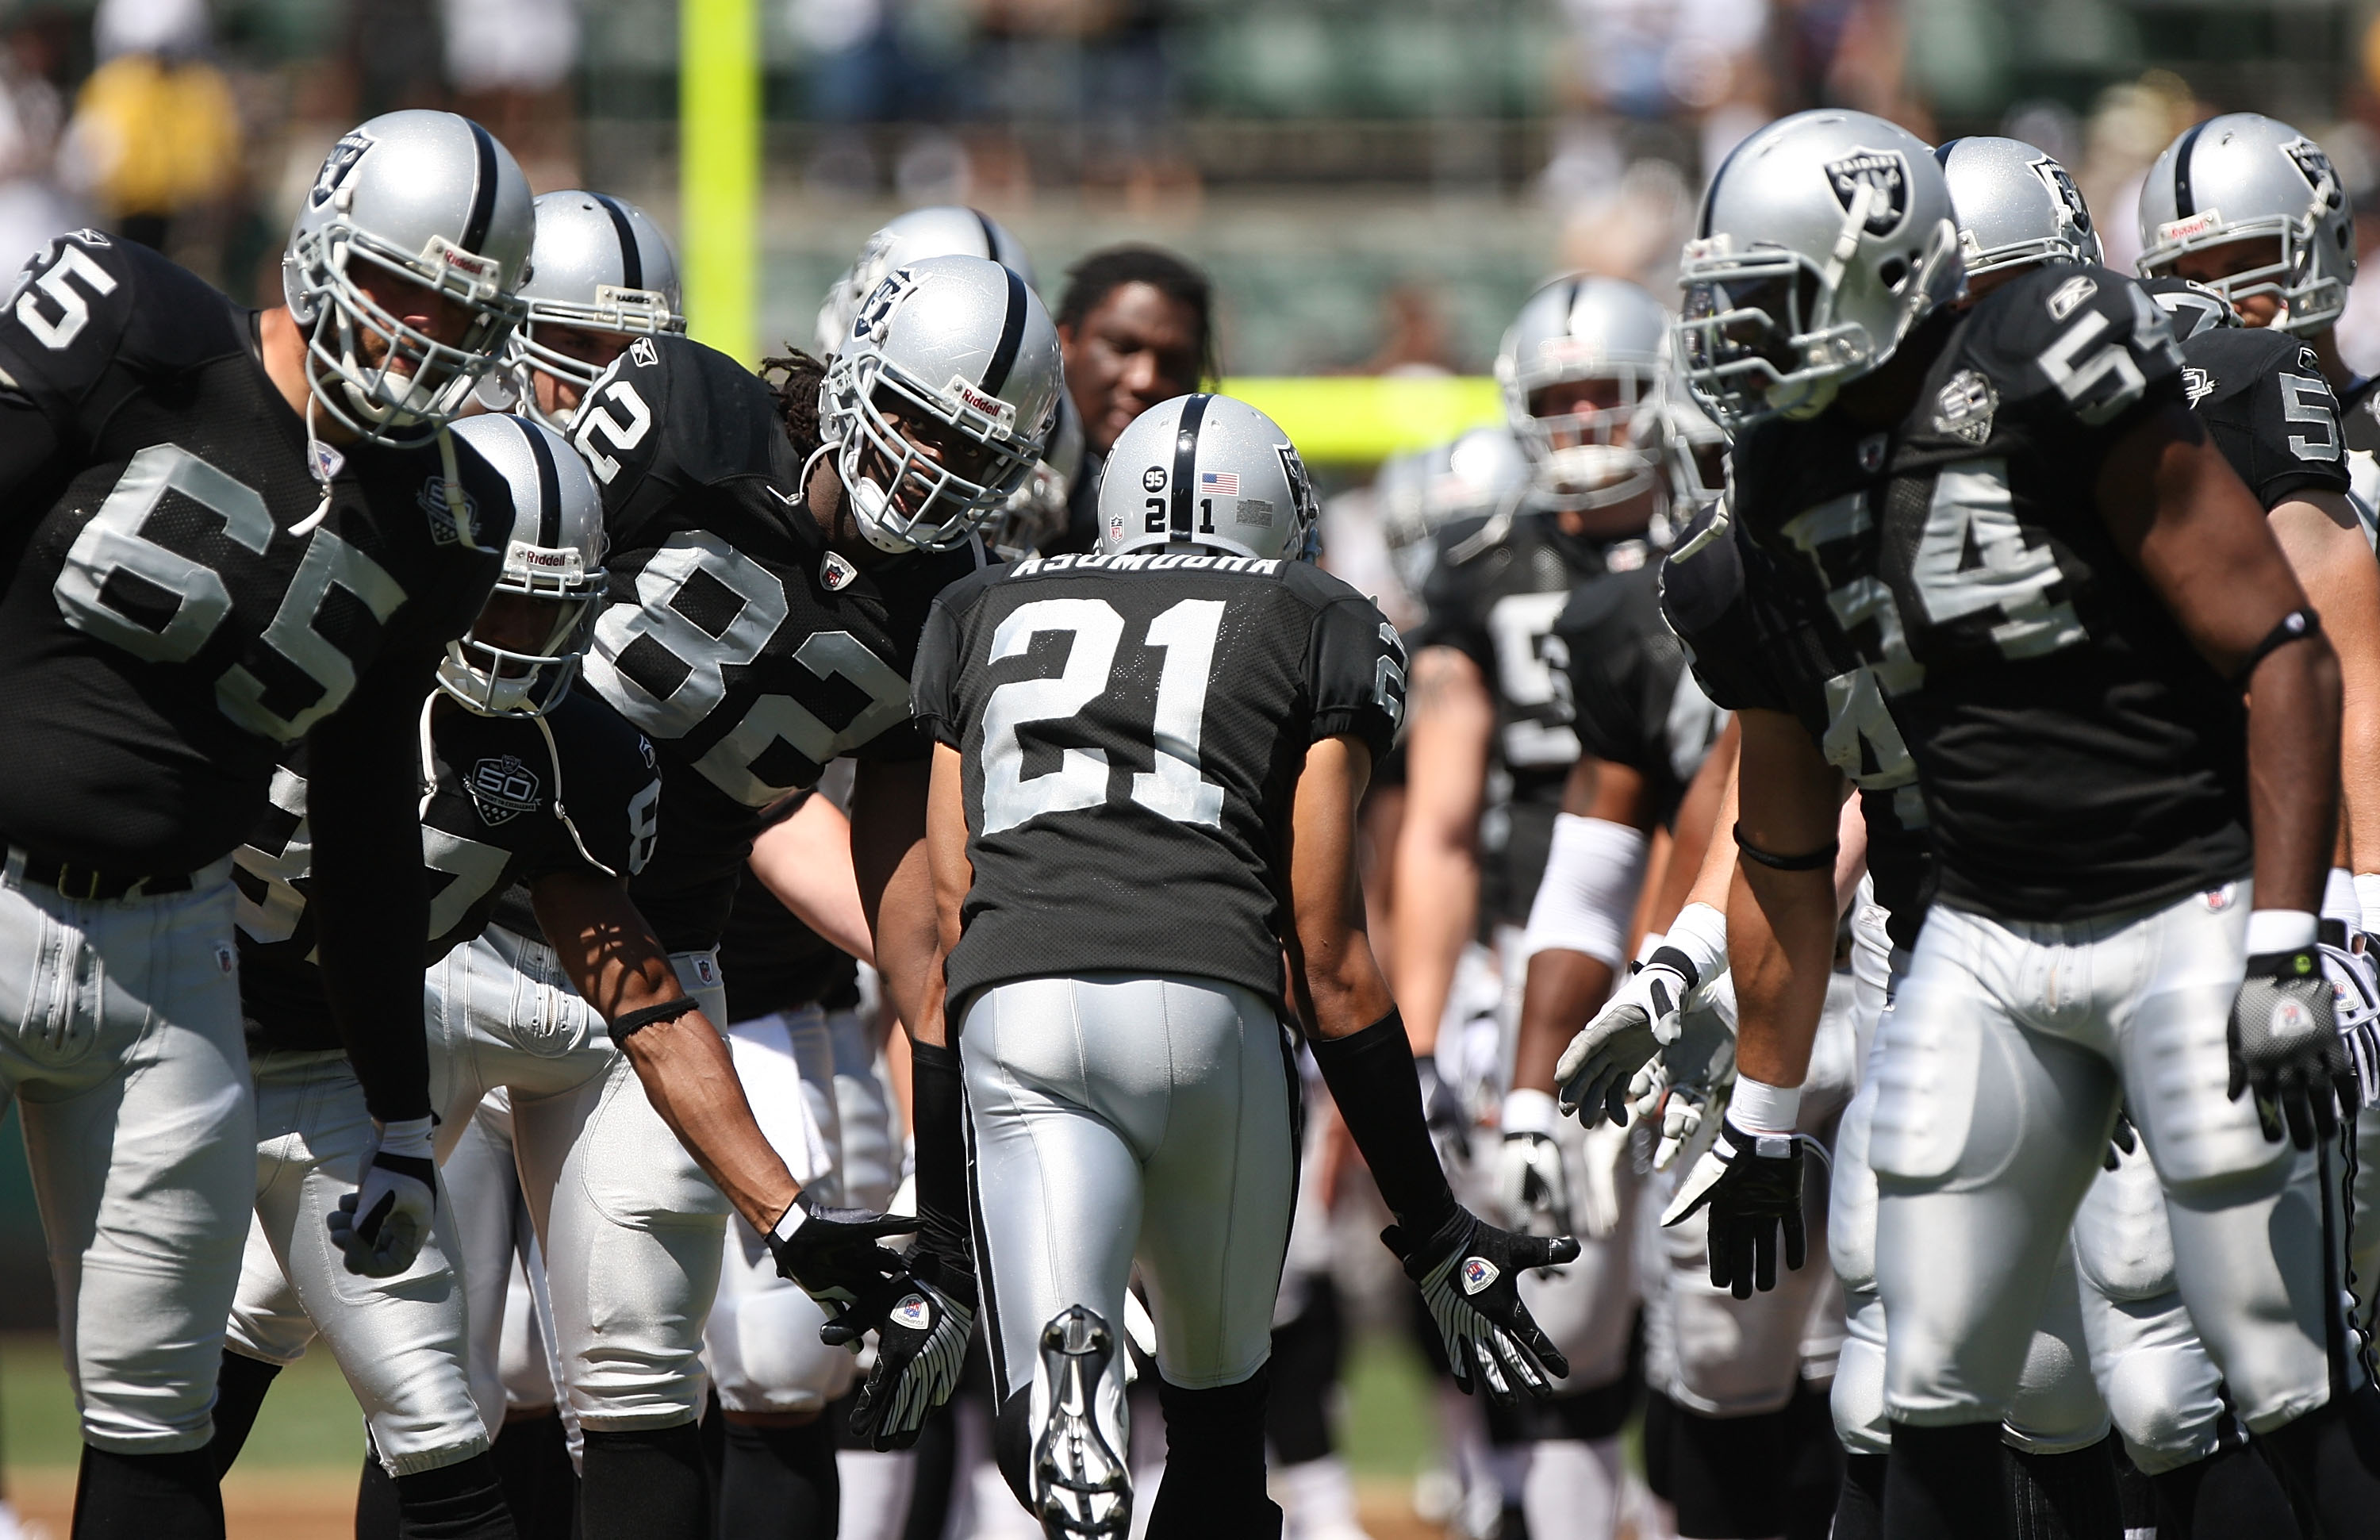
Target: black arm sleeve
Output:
{"points": [[370, 896]]}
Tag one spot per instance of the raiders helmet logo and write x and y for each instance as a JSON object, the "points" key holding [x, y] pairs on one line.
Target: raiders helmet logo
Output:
{"points": [[1885, 170], [913, 1313], [877, 313], [337, 165], [2308, 157], [2062, 187]]}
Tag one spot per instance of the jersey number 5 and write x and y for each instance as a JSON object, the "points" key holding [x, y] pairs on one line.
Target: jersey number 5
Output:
{"points": [[1173, 788]]}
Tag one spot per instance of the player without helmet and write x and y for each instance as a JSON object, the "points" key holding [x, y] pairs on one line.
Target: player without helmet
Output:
{"points": [[941, 402], [600, 274], [1208, 471], [2254, 210], [1823, 239], [1581, 368], [521, 654], [410, 202]]}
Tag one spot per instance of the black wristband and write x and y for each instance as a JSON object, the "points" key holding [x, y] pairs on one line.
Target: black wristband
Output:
{"points": [[1677, 963], [2295, 627], [630, 1021], [1820, 859], [938, 1102], [1373, 1078]]}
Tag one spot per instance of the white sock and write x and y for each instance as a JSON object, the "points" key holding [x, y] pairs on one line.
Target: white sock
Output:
{"points": [[1573, 1489], [875, 1503], [1318, 1497]]}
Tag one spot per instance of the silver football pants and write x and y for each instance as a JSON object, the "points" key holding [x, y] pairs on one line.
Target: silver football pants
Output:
{"points": [[1116, 1117], [1999, 1071], [762, 1338], [630, 1227], [2057, 1408], [398, 1340], [120, 1037]]}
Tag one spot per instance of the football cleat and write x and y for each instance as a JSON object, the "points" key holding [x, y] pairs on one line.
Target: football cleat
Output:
{"points": [[1082, 1486]]}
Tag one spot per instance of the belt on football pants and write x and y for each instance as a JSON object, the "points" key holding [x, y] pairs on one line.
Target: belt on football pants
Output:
{"points": [[72, 879]]}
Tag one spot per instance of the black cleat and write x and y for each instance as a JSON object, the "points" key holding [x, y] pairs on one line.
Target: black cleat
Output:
{"points": [[1082, 1489]]}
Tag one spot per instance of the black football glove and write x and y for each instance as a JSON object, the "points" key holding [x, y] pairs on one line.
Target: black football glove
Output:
{"points": [[832, 1253], [1752, 1182], [2286, 1048], [922, 1317], [1469, 1274]]}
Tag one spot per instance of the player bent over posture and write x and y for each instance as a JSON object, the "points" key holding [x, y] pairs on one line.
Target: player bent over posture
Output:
{"points": [[2009, 514], [1145, 790]]}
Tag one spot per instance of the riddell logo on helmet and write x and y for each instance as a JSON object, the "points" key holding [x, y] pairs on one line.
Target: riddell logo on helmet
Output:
{"points": [[992, 406], [2195, 225], [446, 253], [1884, 171]]}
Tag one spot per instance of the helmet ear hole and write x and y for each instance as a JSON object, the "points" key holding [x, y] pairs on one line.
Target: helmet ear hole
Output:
{"points": [[1893, 272]]}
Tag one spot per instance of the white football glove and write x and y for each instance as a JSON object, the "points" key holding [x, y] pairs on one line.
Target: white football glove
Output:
{"points": [[1595, 1069], [379, 1227], [1529, 1177], [1692, 1073]]}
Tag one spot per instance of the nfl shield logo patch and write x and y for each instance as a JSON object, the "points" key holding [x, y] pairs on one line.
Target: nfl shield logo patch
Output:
{"points": [[1478, 1274], [913, 1313]]}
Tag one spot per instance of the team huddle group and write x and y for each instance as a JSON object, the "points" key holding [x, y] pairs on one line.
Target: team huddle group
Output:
{"points": [[1894, 761]]}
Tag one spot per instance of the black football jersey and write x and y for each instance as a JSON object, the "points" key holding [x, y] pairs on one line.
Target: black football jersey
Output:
{"points": [[749, 653], [2076, 755], [2263, 399], [1634, 702], [175, 616], [1760, 646], [1499, 585], [1133, 728], [489, 821]]}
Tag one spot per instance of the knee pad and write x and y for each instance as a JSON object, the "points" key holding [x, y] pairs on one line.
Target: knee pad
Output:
{"points": [[1857, 1396], [2123, 1244], [2057, 1409], [2157, 1397]]}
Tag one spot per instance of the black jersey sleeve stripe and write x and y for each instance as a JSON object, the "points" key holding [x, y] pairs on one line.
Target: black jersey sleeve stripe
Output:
{"points": [[549, 488], [632, 261], [484, 189], [2184, 203], [1012, 337], [1185, 462]]}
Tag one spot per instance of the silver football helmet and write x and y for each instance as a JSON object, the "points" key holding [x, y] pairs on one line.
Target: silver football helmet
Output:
{"points": [[945, 230], [2244, 177], [1821, 241], [554, 559], [429, 198], [1578, 329], [600, 264], [959, 346], [1208, 471], [1481, 473], [1037, 512], [2015, 206]]}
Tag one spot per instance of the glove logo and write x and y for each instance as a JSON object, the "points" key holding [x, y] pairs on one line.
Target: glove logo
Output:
{"points": [[1478, 1274], [2290, 1020], [913, 1313]]}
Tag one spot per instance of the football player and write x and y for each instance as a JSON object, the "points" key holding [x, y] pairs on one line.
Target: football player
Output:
{"points": [[602, 275], [767, 594], [242, 530], [493, 741], [1129, 1088], [2091, 927], [1491, 751]]}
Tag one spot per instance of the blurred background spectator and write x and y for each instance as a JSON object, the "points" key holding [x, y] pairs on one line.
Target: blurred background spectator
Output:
{"points": [[154, 142]]}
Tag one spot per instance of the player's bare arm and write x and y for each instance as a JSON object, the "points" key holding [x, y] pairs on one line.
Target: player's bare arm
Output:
{"points": [[888, 849], [2323, 541], [1565, 986], [1453, 721], [1780, 922], [805, 860]]}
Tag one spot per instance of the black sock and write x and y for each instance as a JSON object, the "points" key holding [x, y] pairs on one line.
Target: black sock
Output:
{"points": [[1945, 1484], [2064, 1496], [1307, 1354], [1859, 1509], [644, 1483], [1660, 1425], [1729, 1473], [1214, 1482], [2326, 1462], [378, 1517], [240, 1385], [1815, 1476], [462, 1501], [148, 1496], [2231, 1492], [2134, 1494], [532, 1456], [779, 1482]]}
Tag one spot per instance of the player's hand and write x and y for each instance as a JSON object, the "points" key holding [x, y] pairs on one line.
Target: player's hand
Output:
{"points": [[832, 1253], [1752, 1183], [379, 1227], [2286, 1048], [1692, 1072], [922, 1317], [1470, 1272], [1530, 1183], [1442, 1108], [1623, 1038]]}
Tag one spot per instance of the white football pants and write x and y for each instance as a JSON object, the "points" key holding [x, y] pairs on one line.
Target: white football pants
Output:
{"points": [[120, 1037]]}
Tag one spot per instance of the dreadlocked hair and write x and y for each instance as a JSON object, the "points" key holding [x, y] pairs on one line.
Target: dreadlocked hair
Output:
{"points": [[795, 380]]}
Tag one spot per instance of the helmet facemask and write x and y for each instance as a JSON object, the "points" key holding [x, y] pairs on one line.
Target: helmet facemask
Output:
{"points": [[2308, 300], [622, 312], [418, 383], [903, 497], [533, 676], [1597, 455]]}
